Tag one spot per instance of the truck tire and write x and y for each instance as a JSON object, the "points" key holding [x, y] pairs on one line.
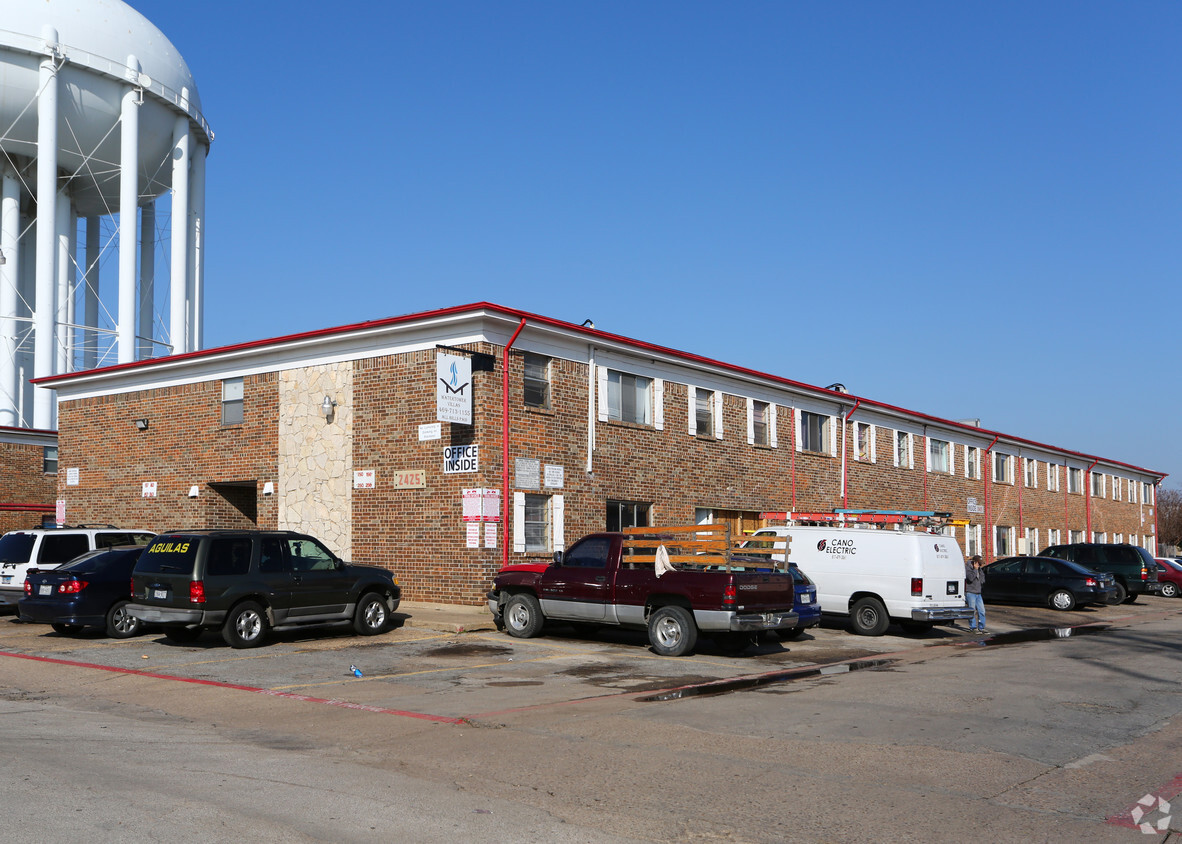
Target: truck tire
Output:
{"points": [[523, 616], [246, 626], [1119, 596], [372, 615], [869, 617], [672, 631]]}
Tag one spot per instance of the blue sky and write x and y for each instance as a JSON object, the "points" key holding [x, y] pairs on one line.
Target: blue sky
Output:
{"points": [[967, 209]]}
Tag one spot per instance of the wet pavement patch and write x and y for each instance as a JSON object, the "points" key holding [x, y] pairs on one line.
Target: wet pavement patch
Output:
{"points": [[472, 649], [1042, 634], [741, 684]]}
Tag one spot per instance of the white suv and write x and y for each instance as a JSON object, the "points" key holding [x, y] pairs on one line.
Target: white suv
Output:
{"points": [[48, 548]]}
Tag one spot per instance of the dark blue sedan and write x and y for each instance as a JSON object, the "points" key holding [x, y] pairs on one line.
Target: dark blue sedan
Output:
{"points": [[805, 604], [1060, 584], [89, 591]]}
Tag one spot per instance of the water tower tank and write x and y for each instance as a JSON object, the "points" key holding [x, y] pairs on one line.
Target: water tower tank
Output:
{"points": [[102, 156]]}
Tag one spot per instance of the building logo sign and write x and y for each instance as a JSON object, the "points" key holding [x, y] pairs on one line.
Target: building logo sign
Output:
{"points": [[461, 458], [453, 389]]}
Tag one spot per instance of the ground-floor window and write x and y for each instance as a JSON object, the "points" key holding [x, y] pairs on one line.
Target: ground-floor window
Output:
{"points": [[538, 523], [1074, 536], [1003, 541], [625, 514], [972, 540]]}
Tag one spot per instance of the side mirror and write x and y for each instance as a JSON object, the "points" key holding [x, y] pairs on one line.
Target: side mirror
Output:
{"points": [[557, 558]]}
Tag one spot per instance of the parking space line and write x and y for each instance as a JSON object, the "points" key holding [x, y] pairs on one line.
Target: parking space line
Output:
{"points": [[343, 704]]}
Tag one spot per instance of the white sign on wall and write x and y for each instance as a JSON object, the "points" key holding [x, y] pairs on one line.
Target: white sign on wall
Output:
{"points": [[461, 458], [363, 479], [72, 476], [430, 431], [453, 389], [148, 490]]}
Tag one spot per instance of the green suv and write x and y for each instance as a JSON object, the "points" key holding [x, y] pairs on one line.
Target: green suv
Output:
{"points": [[1132, 567], [248, 582]]}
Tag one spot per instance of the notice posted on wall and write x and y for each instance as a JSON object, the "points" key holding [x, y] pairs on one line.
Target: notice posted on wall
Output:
{"points": [[148, 490], [490, 534], [473, 535], [72, 476]]}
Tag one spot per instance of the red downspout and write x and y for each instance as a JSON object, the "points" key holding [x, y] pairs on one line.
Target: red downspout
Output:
{"points": [[792, 461], [1088, 501], [987, 476], [1156, 539], [845, 490], [1021, 467], [1066, 537], [505, 445]]}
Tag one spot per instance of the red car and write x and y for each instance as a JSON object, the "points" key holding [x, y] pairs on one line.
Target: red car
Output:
{"points": [[1169, 572]]}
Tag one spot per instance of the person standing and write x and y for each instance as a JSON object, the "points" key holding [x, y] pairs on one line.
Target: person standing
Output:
{"points": [[974, 579]]}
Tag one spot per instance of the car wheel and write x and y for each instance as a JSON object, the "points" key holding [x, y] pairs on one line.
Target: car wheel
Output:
{"points": [[1061, 599], [246, 626], [869, 617], [672, 631], [732, 644], [66, 629], [1119, 595], [182, 635], [120, 623], [1169, 590], [372, 616], [523, 616]]}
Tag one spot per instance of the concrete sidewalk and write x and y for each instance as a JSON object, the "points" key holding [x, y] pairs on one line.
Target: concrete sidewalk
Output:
{"points": [[448, 618]]}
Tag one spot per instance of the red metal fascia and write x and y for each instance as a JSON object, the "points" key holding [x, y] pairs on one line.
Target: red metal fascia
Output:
{"points": [[505, 444], [29, 508]]}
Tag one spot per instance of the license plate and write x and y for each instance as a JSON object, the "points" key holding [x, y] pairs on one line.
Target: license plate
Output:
{"points": [[951, 588], [44, 589], [160, 594], [7, 578], [806, 599]]}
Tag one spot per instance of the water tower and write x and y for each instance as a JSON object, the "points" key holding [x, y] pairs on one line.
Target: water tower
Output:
{"points": [[102, 214]]}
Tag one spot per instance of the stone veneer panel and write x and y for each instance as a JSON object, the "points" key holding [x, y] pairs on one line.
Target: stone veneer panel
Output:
{"points": [[315, 479]]}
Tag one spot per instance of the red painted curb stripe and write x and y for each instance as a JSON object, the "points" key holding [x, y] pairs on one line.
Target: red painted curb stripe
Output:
{"points": [[343, 704], [1167, 793]]}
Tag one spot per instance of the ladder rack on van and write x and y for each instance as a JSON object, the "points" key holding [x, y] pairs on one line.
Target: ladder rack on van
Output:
{"points": [[700, 545], [930, 520]]}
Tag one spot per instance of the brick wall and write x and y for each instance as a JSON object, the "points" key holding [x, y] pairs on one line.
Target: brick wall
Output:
{"points": [[23, 482]]}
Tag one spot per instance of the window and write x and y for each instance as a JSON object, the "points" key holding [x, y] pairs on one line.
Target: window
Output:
{"points": [[1132, 492], [49, 460], [1115, 488], [232, 401], [1003, 541], [1100, 537], [939, 456], [1030, 472], [814, 431], [1098, 485], [629, 398], [972, 462], [1147, 494], [1053, 477], [1074, 536], [625, 514], [1118, 538], [903, 450], [537, 523], [1003, 468], [705, 413], [761, 423], [1031, 538], [972, 539], [1053, 537], [864, 442], [591, 553], [536, 381], [227, 557], [1075, 482]]}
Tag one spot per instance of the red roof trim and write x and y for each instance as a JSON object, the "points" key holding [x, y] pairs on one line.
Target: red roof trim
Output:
{"points": [[518, 315]]}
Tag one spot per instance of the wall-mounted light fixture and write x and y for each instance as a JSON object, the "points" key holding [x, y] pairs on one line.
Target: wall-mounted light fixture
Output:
{"points": [[194, 491], [327, 407], [141, 424]]}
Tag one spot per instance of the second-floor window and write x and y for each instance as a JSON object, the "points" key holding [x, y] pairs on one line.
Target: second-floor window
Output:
{"points": [[761, 423], [864, 442], [903, 449], [232, 393], [972, 462], [1030, 472], [1003, 468], [939, 459], [536, 381], [814, 432], [49, 460], [1075, 482], [629, 398]]}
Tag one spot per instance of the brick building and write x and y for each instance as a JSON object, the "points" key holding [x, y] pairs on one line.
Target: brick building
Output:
{"points": [[28, 477], [337, 433]]}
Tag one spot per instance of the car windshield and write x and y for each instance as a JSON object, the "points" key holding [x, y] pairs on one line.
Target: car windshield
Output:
{"points": [[16, 547]]}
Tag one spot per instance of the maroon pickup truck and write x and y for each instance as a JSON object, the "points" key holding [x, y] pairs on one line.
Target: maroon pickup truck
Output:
{"points": [[673, 586]]}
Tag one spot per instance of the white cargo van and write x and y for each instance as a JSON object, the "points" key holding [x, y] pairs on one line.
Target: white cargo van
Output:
{"points": [[876, 576]]}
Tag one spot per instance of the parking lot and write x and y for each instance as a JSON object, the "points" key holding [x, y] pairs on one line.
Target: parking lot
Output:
{"points": [[449, 663]]}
